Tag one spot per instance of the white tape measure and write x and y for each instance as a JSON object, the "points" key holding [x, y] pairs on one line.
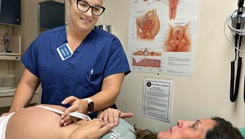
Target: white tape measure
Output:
{"points": [[74, 114]]}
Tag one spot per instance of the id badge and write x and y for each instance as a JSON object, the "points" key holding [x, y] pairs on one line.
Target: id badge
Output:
{"points": [[64, 51]]}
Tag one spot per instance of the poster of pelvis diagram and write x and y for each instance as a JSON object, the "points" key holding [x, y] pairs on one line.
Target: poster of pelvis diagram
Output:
{"points": [[162, 36]]}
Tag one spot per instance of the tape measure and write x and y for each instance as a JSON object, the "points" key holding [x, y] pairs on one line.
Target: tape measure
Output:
{"points": [[74, 114]]}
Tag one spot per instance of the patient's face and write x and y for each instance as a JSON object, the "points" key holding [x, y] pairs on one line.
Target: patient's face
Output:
{"points": [[188, 130]]}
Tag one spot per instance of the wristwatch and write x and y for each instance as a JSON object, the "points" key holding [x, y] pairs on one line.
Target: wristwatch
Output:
{"points": [[90, 105]]}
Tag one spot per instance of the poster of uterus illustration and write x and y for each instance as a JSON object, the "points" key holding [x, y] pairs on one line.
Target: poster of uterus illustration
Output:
{"points": [[162, 36]]}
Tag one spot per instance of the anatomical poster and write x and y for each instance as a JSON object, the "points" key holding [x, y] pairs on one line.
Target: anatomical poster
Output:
{"points": [[157, 99], [162, 36]]}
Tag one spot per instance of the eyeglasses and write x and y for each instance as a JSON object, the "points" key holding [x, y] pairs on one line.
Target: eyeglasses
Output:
{"points": [[83, 6]]}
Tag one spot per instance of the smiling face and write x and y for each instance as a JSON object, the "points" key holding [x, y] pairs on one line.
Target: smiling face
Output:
{"points": [[83, 21], [188, 130]]}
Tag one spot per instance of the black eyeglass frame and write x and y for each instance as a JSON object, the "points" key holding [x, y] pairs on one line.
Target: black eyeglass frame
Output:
{"points": [[103, 8]]}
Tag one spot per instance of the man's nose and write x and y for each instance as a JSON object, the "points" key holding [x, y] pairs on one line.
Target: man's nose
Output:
{"points": [[181, 123]]}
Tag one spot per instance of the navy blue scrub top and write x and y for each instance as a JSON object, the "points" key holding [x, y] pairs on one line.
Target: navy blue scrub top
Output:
{"points": [[98, 56]]}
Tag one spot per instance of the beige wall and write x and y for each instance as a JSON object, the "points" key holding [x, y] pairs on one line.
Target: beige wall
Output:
{"points": [[204, 94]]}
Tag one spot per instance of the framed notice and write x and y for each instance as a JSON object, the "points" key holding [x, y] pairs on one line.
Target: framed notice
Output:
{"points": [[157, 99]]}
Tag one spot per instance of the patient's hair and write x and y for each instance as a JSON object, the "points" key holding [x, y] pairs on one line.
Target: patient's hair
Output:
{"points": [[223, 130], [144, 134]]}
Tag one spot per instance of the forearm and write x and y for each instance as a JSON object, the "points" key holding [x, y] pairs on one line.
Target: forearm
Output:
{"points": [[25, 90], [22, 97], [104, 99], [109, 92], [101, 100]]}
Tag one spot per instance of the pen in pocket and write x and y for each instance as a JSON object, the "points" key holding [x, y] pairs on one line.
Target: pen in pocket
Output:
{"points": [[91, 73]]}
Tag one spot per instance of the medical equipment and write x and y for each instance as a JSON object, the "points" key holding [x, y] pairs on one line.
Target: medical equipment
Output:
{"points": [[235, 22], [232, 21], [6, 40]]}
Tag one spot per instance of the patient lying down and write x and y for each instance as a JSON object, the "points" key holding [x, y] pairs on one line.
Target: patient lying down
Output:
{"points": [[40, 123]]}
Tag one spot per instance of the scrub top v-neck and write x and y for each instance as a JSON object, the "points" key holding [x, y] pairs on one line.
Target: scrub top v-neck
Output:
{"points": [[98, 56]]}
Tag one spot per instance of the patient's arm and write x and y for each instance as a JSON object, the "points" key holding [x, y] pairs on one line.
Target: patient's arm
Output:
{"points": [[112, 115], [93, 129]]}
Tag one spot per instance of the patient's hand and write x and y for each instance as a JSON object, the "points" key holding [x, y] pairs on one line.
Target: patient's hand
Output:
{"points": [[111, 115], [93, 129]]}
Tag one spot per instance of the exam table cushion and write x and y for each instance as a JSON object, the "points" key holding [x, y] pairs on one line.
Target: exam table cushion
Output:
{"points": [[122, 131], [242, 130]]}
